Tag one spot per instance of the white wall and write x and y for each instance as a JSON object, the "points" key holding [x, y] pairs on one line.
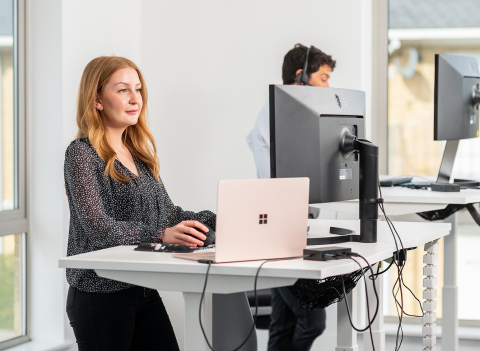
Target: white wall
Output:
{"points": [[208, 65], [63, 36], [44, 169]]}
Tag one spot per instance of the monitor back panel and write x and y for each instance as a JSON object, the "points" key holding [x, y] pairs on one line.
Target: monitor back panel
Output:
{"points": [[261, 219], [455, 116], [306, 131]]}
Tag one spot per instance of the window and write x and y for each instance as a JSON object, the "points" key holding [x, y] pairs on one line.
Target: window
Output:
{"points": [[13, 221], [12, 294], [417, 31], [7, 130]]}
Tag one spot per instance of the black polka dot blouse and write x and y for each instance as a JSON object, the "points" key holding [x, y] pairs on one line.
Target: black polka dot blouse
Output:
{"points": [[105, 213]]}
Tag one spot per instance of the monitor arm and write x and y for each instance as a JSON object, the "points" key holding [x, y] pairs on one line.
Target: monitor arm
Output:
{"points": [[475, 96], [368, 198]]}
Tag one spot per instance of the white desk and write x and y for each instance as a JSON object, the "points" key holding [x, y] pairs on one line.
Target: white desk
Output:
{"points": [[163, 272], [401, 201]]}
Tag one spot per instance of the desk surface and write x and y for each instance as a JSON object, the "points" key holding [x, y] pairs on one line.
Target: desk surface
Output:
{"points": [[124, 258], [399, 194], [400, 201]]}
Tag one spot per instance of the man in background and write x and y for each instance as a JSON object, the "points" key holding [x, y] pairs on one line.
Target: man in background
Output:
{"points": [[292, 327]]}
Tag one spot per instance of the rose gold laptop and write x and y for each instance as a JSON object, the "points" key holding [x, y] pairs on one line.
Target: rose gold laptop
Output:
{"points": [[259, 219]]}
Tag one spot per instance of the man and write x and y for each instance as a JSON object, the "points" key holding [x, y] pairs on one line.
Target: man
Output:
{"points": [[292, 327], [319, 68]]}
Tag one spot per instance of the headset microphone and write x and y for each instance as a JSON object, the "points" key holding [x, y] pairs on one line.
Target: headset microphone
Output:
{"points": [[302, 77]]}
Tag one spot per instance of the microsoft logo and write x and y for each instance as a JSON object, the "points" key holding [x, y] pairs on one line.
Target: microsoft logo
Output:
{"points": [[262, 219]]}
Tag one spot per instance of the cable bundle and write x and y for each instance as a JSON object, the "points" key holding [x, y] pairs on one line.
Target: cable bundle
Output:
{"points": [[313, 294]]}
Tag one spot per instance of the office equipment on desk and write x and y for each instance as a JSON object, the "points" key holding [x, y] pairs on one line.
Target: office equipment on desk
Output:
{"points": [[445, 187], [416, 185], [259, 219], [317, 132], [467, 183], [169, 248], [210, 235], [395, 181], [154, 247], [456, 116]]}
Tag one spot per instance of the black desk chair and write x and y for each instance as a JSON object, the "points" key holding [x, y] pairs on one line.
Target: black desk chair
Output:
{"points": [[264, 307]]}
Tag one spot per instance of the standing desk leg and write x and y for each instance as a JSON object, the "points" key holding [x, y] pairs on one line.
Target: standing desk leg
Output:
{"points": [[450, 289], [193, 337], [429, 318], [378, 331], [346, 335]]}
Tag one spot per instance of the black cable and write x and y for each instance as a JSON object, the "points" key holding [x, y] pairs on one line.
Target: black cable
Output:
{"points": [[399, 281], [400, 328], [377, 274], [370, 321], [411, 292], [374, 289], [393, 230], [255, 292]]}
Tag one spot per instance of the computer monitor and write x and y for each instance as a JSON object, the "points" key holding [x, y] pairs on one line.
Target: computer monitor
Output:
{"points": [[306, 126], [456, 99], [318, 133], [455, 112]]}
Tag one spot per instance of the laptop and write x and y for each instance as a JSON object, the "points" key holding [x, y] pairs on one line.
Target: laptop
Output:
{"points": [[259, 219]]}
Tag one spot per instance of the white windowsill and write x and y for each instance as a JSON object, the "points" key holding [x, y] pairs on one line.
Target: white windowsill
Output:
{"points": [[42, 346]]}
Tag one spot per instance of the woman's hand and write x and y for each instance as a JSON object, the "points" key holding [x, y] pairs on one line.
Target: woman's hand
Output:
{"points": [[179, 234]]}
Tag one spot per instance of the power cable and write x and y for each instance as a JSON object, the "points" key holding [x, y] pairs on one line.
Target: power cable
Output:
{"points": [[255, 292]]}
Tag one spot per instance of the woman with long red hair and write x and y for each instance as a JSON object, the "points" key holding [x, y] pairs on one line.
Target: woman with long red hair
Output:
{"points": [[116, 197]]}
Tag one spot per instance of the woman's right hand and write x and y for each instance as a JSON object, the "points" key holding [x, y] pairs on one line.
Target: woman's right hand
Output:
{"points": [[179, 234]]}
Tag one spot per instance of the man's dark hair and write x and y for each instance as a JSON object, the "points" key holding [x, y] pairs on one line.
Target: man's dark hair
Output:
{"points": [[295, 58]]}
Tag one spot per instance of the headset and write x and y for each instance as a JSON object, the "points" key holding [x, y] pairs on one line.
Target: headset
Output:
{"points": [[302, 77]]}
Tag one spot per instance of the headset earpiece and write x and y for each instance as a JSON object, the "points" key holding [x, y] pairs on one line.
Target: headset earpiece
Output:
{"points": [[302, 78]]}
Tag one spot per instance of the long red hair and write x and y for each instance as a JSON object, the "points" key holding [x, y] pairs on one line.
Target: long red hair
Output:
{"points": [[137, 138]]}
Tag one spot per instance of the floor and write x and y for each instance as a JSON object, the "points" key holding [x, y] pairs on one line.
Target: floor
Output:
{"points": [[327, 343]]}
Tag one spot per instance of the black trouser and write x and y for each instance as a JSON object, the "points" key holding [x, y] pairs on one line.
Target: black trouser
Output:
{"points": [[131, 319], [293, 328]]}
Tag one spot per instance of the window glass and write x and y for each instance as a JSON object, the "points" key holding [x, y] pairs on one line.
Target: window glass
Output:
{"points": [[7, 109], [11, 287], [12, 246], [417, 31]]}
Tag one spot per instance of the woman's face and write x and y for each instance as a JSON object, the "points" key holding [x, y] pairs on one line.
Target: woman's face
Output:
{"points": [[121, 102]]}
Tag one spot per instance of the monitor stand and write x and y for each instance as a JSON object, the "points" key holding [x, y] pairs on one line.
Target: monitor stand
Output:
{"points": [[368, 195], [446, 167], [448, 160]]}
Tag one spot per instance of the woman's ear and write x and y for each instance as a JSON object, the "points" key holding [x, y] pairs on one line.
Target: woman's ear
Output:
{"points": [[98, 103]]}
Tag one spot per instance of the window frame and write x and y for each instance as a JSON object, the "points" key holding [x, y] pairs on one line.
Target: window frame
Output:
{"points": [[379, 85], [15, 221]]}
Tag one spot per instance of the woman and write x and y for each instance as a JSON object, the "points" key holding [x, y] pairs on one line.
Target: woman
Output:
{"points": [[116, 198]]}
